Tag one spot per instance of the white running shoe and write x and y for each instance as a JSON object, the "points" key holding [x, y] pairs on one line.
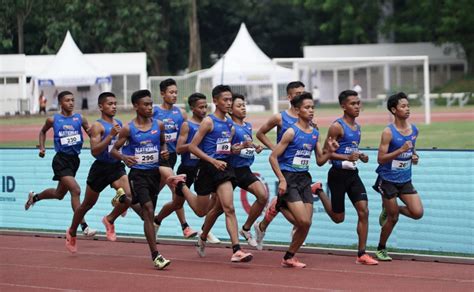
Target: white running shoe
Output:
{"points": [[248, 236], [211, 238], [259, 234], [200, 246], [89, 232]]}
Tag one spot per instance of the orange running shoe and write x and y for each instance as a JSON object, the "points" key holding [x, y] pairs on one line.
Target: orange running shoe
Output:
{"points": [[241, 257], [189, 233], [366, 259], [292, 263], [70, 242], [109, 229]]}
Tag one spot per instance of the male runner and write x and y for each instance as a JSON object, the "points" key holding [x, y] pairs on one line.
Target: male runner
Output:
{"points": [[395, 157], [68, 142], [146, 142], [188, 167], [290, 162], [343, 177], [105, 171], [172, 118], [212, 144]]}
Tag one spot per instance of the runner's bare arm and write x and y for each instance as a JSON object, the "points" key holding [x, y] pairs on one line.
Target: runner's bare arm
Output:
{"points": [[48, 124], [86, 126], [115, 152], [271, 123], [181, 146], [323, 155], [383, 155]]}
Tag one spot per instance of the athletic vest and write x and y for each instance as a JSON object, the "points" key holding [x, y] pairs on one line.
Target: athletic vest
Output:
{"points": [[68, 134], [216, 144], [172, 119], [347, 144], [247, 155], [104, 156], [144, 145], [399, 169], [297, 155], [286, 122], [187, 158]]}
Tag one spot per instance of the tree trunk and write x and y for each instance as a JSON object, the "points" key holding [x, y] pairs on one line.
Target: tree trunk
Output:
{"points": [[20, 21], [194, 62]]}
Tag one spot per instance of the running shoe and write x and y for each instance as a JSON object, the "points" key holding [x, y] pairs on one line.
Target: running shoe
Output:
{"points": [[70, 242], [383, 217], [366, 259], [160, 262], [29, 203], [109, 229], [292, 263], [189, 233], [248, 236], [316, 187], [200, 246], [119, 196], [89, 232], [211, 238], [382, 255], [241, 257], [259, 234]]}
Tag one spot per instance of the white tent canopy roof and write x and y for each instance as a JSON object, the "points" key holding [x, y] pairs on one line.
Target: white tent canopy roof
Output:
{"points": [[245, 63], [70, 68]]}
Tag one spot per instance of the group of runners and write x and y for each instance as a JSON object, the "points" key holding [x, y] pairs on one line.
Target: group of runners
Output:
{"points": [[217, 151]]}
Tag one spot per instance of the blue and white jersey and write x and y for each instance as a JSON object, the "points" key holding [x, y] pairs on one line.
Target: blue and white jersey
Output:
{"points": [[105, 156], [297, 155], [216, 144], [172, 120], [246, 156], [68, 134], [286, 122], [187, 158], [145, 146], [348, 144], [399, 169]]}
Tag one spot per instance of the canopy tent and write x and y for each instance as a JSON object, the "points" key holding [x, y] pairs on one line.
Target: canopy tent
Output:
{"points": [[69, 70]]}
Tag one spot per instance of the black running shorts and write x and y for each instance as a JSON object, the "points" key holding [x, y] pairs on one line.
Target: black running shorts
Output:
{"points": [[298, 188], [342, 181], [65, 165], [244, 177], [208, 178], [102, 174], [145, 185]]}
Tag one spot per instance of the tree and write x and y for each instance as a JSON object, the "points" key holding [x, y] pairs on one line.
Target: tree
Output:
{"points": [[194, 38]]}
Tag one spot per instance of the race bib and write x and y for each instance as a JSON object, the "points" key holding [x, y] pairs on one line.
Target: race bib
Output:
{"points": [[147, 158], [247, 153], [71, 140], [301, 162], [401, 164], [223, 146], [171, 137], [346, 164]]}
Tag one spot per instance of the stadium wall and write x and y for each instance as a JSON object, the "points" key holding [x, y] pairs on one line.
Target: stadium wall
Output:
{"points": [[443, 178]]}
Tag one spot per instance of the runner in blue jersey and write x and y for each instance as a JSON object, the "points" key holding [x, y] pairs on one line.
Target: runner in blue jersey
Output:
{"points": [[395, 157], [241, 162], [282, 121], [145, 147], [343, 177], [212, 144], [68, 142], [105, 171], [172, 118], [188, 167], [290, 161]]}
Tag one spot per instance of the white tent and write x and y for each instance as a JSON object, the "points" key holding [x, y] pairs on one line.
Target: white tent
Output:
{"points": [[245, 63], [69, 70]]}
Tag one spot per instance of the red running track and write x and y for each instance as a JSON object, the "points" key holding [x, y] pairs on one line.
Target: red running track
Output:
{"points": [[43, 264]]}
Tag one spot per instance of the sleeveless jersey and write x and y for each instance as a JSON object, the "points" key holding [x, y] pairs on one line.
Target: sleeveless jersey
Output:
{"points": [[104, 156], [286, 122], [68, 134], [246, 156], [173, 119], [347, 144], [187, 158], [399, 169], [297, 155], [144, 145], [216, 144]]}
